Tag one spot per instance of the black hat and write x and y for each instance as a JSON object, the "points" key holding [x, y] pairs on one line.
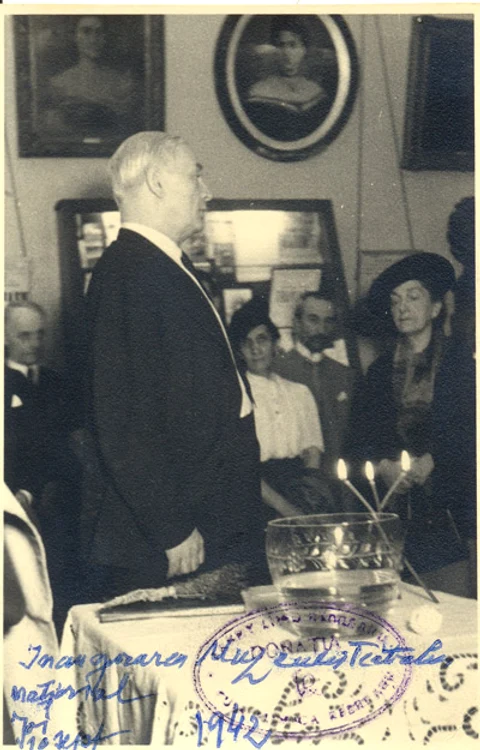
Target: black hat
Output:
{"points": [[434, 272], [252, 314]]}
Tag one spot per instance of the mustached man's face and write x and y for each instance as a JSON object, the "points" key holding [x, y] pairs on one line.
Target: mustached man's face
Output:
{"points": [[317, 323]]}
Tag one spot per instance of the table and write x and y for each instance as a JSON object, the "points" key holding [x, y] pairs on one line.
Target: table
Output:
{"points": [[440, 702]]}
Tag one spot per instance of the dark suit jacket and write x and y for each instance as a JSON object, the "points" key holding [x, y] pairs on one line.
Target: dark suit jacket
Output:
{"points": [[38, 419], [164, 404], [332, 385]]}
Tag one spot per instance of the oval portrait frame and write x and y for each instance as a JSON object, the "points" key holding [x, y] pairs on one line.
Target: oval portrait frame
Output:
{"points": [[233, 49]]}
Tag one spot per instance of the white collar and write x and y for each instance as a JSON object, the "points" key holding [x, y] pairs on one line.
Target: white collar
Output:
{"points": [[23, 368], [160, 240], [337, 352], [261, 379]]}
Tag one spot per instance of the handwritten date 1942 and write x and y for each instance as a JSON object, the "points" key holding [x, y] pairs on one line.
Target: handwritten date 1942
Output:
{"points": [[233, 725]]}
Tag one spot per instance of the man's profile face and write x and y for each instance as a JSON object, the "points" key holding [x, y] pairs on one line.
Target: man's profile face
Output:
{"points": [[317, 323], [24, 336], [185, 193]]}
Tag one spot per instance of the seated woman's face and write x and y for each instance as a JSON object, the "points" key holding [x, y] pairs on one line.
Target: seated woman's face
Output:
{"points": [[412, 307], [258, 350]]}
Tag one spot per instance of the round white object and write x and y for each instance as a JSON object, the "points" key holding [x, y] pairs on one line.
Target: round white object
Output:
{"points": [[425, 620]]}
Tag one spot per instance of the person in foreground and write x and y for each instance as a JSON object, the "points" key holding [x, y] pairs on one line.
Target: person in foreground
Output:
{"points": [[27, 625], [394, 413], [286, 420], [168, 410]]}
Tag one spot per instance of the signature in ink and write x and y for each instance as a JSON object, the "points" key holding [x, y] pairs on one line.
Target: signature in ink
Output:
{"points": [[33, 736], [360, 657]]}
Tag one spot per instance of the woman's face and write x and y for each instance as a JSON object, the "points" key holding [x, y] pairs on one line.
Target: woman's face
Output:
{"points": [[292, 51], [412, 308], [90, 37], [258, 350]]}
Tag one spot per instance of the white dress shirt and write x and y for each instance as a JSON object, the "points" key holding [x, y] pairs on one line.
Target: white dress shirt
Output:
{"points": [[24, 369], [170, 248], [286, 417], [337, 352]]}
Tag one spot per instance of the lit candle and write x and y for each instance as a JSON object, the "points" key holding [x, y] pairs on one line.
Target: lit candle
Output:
{"points": [[406, 465], [343, 476], [370, 474]]}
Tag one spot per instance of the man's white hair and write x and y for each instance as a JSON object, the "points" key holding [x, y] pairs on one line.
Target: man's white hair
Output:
{"points": [[129, 164]]}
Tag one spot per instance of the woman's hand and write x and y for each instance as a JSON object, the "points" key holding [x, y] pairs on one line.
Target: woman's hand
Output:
{"points": [[389, 471], [421, 468]]}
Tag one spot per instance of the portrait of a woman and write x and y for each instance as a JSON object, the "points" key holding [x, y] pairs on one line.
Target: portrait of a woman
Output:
{"points": [[287, 103], [93, 96]]}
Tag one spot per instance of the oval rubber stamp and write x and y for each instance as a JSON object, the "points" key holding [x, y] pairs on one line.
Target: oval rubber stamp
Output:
{"points": [[270, 667]]}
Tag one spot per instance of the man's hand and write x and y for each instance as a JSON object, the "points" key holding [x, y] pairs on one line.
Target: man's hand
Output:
{"points": [[187, 556]]}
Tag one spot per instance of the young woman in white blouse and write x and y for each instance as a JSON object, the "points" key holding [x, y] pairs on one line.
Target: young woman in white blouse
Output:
{"points": [[286, 420]]}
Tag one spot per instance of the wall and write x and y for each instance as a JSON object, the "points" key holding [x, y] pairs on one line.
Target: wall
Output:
{"points": [[232, 171]]}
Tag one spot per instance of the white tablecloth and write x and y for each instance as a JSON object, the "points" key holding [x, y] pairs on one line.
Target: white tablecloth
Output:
{"points": [[440, 702]]}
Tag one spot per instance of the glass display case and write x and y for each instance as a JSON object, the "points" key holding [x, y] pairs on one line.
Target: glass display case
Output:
{"points": [[277, 249]]}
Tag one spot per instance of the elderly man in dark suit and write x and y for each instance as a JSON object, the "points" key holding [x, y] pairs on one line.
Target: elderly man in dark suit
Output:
{"points": [[39, 413], [170, 416]]}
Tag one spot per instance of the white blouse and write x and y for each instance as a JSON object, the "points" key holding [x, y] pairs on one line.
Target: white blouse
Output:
{"points": [[286, 417]]}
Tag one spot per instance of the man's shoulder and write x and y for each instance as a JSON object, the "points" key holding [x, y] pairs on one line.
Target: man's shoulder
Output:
{"points": [[132, 256], [290, 357]]}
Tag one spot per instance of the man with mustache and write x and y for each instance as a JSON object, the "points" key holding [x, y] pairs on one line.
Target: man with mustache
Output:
{"points": [[319, 361]]}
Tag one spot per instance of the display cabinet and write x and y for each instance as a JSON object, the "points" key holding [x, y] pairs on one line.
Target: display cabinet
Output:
{"points": [[271, 248]]}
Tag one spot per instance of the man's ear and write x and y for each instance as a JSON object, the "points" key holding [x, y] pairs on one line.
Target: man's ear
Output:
{"points": [[154, 181]]}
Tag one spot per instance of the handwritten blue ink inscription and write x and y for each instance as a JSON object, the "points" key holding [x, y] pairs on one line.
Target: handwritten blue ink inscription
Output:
{"points": [[365, 654], [233, 725]]}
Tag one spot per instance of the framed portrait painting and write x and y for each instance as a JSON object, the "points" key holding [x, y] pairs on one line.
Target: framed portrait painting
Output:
{"points": [[439, 128], [286, 83], [87, 82]]}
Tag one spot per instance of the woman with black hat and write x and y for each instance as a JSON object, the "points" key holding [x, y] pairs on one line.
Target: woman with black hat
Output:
{"points": [[286, 420], [395, 411]]}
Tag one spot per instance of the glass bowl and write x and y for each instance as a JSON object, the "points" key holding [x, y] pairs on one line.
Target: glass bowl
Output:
{"points": [[347, 558]]}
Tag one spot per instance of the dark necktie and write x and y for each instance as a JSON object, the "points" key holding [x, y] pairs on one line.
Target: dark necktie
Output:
{"points": [[191, 268], [31, 376], [189, 265]]}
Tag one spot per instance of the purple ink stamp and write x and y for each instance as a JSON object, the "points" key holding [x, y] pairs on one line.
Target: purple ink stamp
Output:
{"points": [[304, 670]]}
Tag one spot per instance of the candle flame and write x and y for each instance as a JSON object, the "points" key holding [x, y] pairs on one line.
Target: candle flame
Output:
{"points": [[369, 471], [342, 470], [405, 461]]}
